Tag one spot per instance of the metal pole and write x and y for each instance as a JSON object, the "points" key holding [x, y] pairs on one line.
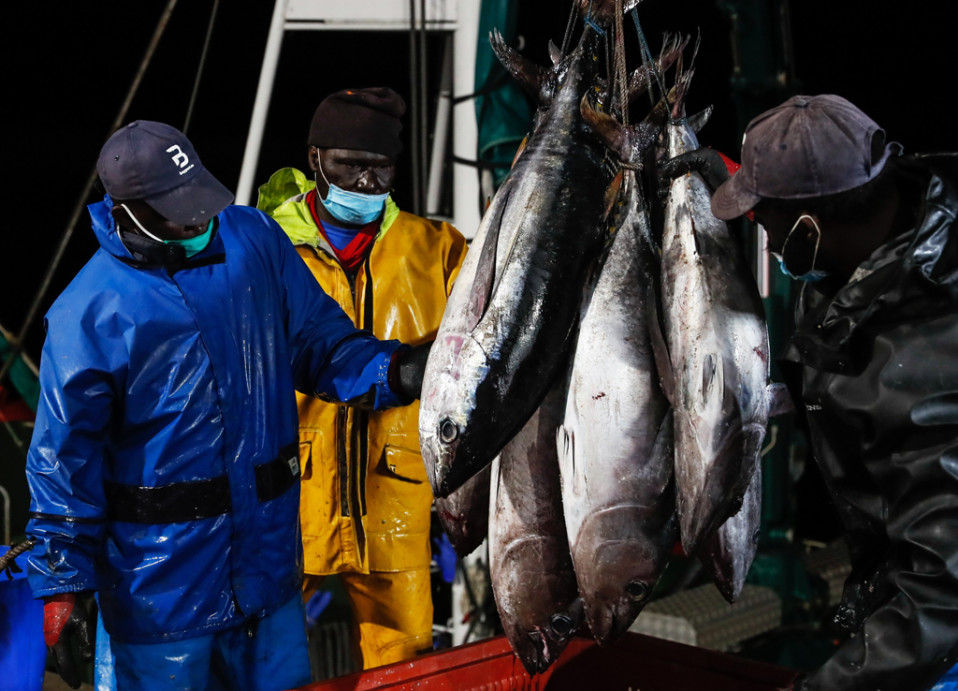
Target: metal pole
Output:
{"points": [[441, 129], [414, 87], [423, 108], [16, 347], [466, 196], [267, 75], [5, 495]]}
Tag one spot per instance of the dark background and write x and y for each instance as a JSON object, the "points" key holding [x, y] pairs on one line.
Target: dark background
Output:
{"points": [[68, 66]]}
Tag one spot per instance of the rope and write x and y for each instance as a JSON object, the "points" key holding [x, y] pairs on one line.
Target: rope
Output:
{"points": [[598, 29], [621, 76], [7, 563], [570, 24]]}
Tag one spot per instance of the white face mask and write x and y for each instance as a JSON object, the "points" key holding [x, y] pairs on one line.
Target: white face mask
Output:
{"points": [[812, 274]]}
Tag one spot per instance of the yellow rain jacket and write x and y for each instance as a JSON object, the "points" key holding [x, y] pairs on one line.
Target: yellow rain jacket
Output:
{"points": [[365, 500]]}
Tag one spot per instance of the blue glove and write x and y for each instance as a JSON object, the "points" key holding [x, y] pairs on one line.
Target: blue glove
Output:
{"points": [[445, 556], [317, 603]]}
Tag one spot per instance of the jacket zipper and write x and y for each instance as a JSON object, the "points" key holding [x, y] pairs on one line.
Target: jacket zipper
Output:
{"points": [[349, 458], [341, 416], [363, 415]]}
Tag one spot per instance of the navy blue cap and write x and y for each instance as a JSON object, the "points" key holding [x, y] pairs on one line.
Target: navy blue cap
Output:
{"points": [[155, 162]]}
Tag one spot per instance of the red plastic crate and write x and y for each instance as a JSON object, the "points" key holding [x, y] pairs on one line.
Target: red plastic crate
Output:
{"points": [[633, 663]]}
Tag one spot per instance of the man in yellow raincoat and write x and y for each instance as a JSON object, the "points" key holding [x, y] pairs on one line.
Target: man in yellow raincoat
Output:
{"points": [[365, 501]]}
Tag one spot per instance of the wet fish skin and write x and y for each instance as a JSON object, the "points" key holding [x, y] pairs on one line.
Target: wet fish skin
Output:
{"points": [[529, 561], [716, 366], [464, 514], [615, 444], [727, 554], [510, 315]]}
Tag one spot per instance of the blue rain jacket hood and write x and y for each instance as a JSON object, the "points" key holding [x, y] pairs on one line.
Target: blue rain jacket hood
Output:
{"points": [[165, 380]]}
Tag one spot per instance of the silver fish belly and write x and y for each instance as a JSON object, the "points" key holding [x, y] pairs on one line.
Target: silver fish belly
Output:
{"points": [[615, 446], [718, 350]]}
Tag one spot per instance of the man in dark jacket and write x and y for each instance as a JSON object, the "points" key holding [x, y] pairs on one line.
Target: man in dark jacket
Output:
{"points": [[163, 469], [873, 365]]}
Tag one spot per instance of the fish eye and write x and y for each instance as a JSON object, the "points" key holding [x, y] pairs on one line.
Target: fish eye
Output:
{"points": [[561, 624], [637, 591], [448, 431]]}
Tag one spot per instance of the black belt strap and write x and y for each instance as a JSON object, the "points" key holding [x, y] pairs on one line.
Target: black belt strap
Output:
{"points": [[175, 503], [190, 501], [277, 476]]}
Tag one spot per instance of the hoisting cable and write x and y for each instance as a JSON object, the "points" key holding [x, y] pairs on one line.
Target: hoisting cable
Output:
{"points": [[647, 59], [201, 66], [621, 79], [570, 25], [16, 346]]}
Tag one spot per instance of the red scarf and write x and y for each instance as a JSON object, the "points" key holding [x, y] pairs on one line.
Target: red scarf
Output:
{"points": [[352, 255]]}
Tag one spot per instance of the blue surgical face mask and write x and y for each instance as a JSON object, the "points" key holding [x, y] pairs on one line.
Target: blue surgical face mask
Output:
{"points": [[193, 245], [813, 274], [351, 207]]}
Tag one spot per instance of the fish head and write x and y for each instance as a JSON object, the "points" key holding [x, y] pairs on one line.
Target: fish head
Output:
{"points": [[454, 449], [537, 597], [727, 450], [619, 557], [629, 576], [539, 606], [540, 646]]}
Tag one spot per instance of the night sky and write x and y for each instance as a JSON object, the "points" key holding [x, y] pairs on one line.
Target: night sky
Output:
{"points": [[68, 66]]}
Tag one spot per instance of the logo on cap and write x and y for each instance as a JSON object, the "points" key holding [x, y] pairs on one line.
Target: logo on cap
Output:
{"points": [[180, 158]]}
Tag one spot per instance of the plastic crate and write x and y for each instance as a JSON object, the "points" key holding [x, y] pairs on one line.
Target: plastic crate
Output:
{"points": [[22, 651], [633, 663], [701, 617]]}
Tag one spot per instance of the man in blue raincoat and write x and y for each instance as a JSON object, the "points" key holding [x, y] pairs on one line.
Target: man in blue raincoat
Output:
{"points": [[164, 469]]}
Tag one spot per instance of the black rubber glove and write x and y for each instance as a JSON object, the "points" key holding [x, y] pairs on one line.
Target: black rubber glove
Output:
{"points": [[69, 629], [407, 368], [704, 161]]}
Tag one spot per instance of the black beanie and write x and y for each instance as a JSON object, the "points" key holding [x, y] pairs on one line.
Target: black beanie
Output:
{"points": [[360, 119]]}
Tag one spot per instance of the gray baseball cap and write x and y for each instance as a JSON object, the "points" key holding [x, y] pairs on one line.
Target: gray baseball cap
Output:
{"points": [[156, 163], [809, 146]]}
